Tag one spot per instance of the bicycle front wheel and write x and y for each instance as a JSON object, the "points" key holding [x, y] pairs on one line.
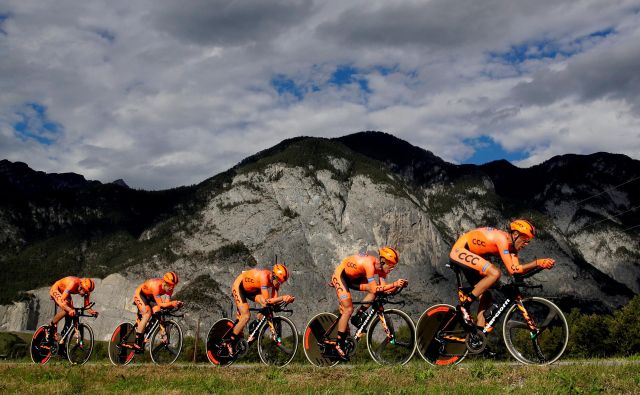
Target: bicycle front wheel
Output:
{"points": [[543, 347], [41, 348], [216, 350], [166, 344], [391, 338], [277, 342], [121, 344], [80, 344], [314, 348], [436, 334]]}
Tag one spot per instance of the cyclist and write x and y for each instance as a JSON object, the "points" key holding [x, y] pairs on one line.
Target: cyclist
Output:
{"points": [[254, 285], [147, 297], [61, 292], [470, 253], [358, 272]]}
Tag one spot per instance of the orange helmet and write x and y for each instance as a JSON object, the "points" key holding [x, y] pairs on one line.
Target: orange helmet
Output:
{"points": [[523, 227], [280, 272], [88, 284], [390, 255], [171, 278]]}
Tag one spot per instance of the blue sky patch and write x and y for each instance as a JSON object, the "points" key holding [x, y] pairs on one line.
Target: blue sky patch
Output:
{"points": [[35, 125], [487, 150], [3, 17], [346, 74], [546, 49], [106, 35], [286, 86]]}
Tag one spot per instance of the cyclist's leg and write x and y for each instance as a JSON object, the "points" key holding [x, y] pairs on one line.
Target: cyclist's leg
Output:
{"points": [[480, 273], [243, 313], [346, 308], [144, 310], [59, 302], [485, 300]]}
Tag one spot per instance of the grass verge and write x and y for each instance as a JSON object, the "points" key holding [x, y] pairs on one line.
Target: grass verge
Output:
{"points": [[414, 378]]}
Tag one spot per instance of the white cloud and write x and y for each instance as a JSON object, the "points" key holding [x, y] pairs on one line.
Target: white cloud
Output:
{"points": [[165, 93]]}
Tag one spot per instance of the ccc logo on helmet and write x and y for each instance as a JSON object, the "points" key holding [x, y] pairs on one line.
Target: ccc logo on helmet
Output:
{"points": [[478, 242], [468, 258]]}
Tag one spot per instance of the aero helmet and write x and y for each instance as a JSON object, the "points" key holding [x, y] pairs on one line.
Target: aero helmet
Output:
{"points": [[523, 227], [171, 278], [280, 272], [88, 284], [390, 255]]}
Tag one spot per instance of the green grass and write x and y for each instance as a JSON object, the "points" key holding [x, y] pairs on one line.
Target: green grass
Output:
{"points": [[415, 378]]}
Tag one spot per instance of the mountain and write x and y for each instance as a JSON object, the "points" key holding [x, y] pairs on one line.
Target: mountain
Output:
{"points": [[311, 202]]}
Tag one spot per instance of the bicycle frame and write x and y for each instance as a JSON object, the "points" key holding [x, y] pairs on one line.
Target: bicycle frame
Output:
{"points": [[377, 307], [156, 320], [71, 323], [513, 296], [267, 313]]}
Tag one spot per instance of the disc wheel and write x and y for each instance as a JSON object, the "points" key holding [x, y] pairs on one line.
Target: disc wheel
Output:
{"points": [[41, 349], [431, 346], [216, 351], [317, 353], [166, 344], [391, 339], [121, 343], [277, 344], [543, 347], [80, 344]]}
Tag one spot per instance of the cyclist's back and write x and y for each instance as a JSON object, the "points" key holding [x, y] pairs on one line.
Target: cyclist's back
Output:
{"points": [[484, 241], [154, 287]]}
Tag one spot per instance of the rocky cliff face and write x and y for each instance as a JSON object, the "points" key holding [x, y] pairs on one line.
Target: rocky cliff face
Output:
{"points": [[312, 202]]}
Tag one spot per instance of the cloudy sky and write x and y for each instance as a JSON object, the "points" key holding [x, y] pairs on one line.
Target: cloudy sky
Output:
{"points": [[168, 93]]}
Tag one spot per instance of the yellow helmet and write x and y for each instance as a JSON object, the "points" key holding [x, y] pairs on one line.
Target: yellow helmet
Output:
{"points": [[88, 284], [390, 255], [523, 227], [280, 272], [171, 278]]}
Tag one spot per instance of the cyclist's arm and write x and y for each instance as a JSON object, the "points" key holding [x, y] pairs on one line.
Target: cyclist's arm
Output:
{"points": [[67, 302], [163, 304], [87, 300], [264, 298], [510, 260], [373, 286]]}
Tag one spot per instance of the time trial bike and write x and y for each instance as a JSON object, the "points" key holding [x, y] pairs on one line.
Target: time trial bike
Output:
{"points": [[276, 335], [75, 343], [534, 329], [163, 335], [390, 335]]}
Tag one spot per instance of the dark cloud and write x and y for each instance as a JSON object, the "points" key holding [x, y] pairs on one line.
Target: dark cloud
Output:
{"points": [[435, 24], [610, 72], [228, 22]]}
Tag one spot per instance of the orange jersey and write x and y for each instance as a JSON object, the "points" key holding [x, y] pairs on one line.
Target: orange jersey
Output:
{"points": [[256, 281], [62, 290], [360, 269], [67, 285], [154, 287], [484, 242]]}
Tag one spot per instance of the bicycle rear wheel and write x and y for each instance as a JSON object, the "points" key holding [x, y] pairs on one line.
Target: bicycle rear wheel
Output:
{"points": [[430, 344], [80, 344], [121, 343], [216, 351], [165, 347], [548, 344], [278, 345], [41, 348], [314, 349], [397, 347]]}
